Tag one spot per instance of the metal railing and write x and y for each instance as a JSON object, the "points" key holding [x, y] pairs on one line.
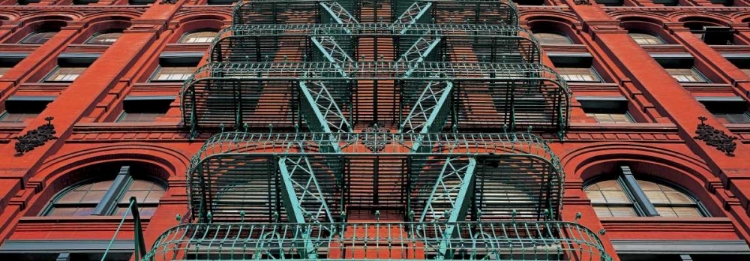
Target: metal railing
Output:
{"points": [[509, 240]]}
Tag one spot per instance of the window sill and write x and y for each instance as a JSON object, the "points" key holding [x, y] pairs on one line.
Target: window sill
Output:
{"points": [[594, 86], [53, 227], [86, 48], [662, 48], [639, 127], [707, 87], [669, 228], [187, 47], [43, 86]]}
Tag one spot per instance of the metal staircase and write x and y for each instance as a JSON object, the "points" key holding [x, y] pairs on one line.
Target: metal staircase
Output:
{"points": [[375, 130]]}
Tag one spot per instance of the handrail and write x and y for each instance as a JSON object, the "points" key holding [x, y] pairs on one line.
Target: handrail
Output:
{"points": [[405, 241], [140, 244]]}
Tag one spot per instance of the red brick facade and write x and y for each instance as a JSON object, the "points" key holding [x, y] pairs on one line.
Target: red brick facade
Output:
{"points": [[661, 143]]}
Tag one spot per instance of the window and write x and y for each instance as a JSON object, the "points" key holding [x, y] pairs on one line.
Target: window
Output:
{"points": [[728, 110], [712, 35], [626, 196], [172, 74], [606, 109], [37, 37], [198, 37], [578, 74], [144, 109], [690, 75], [9, 60], [16, 117], [645, 39], [106, 197], [611, 117], [737, 118], [104, 38], [20, 108], [552, 38], [64, 74]]}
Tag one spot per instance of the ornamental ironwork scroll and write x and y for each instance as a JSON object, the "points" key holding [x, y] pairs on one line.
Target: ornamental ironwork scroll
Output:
{"points": [[715, 138], [36, 138], [373, 140]]}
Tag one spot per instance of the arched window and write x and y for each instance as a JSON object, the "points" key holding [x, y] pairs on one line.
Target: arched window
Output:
{"points": [[104, 38], [552, 38], [626, 196], [646, 39], [204, 36], [106, 197], [38, 37]]}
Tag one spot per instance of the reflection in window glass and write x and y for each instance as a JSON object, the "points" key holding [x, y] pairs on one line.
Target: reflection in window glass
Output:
{"points": [[578, 74], [686, 75], [65, 74], [173, 73], [645, 39], [82, 199], [37, 38], [552, 38], [609, 199], [199, 37], [104, 38], [611, 117]]}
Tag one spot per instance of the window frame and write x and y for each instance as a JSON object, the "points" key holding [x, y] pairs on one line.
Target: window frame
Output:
{"points": [[110, 201], [183, 39], [57, 69], [4, 70], [745, 114], [694, 73], [124, 114], [626, 114], [32, 34], [594, 74], [541, 41], [99, 34], [159, 69], [641, 203], [5, 114], [655, 37]]}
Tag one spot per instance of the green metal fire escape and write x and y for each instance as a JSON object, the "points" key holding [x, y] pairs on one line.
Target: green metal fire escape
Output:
{"points": [[456, 81]]}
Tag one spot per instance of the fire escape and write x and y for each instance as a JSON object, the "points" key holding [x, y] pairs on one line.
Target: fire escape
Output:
{"points": [[363, 129]]}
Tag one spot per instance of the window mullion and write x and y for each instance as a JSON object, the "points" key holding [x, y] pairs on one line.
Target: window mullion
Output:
{"points": [[110, 199], [640, 197]]}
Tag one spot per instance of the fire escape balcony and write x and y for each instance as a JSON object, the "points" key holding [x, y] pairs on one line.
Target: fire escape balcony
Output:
{"points": [[315, 177], [509, 240], [308, 95], [372, 11]]}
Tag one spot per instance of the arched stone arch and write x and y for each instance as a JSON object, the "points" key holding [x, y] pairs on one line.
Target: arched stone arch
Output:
{"points": [[103, 23], [643, 16], [705, 17], [34, 23], [688, 172], [553, 24], [196, 22], [61, 172], [649, 24]]}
